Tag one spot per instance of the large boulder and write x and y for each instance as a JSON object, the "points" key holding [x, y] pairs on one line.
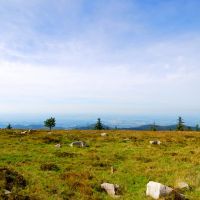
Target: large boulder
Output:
{"points": [[158, 190]]}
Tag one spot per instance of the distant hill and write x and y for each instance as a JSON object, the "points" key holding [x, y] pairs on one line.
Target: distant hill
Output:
{"points": [[90, 127], [139, 128], [34, 126], [158, 127]]}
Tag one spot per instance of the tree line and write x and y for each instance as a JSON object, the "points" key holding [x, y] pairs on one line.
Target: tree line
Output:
{"points": [[51, 123], [180, 126]]}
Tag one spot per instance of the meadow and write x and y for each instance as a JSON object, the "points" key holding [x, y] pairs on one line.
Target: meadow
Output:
{"points": [[32, 168]]}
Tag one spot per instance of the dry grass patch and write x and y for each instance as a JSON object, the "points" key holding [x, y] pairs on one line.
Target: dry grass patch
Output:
{"points": [[49, 167]]}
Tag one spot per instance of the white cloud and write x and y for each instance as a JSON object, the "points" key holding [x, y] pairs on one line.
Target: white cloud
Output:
{"points": [[90, 69]]}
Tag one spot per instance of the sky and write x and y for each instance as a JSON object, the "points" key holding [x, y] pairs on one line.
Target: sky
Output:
{"points": [[128, 57]]}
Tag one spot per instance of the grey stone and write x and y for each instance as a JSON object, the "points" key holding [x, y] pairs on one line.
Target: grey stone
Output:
{"points": [[78, 144], [58, 145], [155, 142], [7, 192], [158, 190], [110, 189]]}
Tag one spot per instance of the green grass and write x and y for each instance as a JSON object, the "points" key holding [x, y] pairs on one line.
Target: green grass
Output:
{"points": [[76, 173]]}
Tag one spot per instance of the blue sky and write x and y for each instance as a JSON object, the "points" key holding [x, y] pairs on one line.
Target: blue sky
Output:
{"points": [[104, 56]]}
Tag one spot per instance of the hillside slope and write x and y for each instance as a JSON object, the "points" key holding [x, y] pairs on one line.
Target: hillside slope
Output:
{"points": [[76, 173]]}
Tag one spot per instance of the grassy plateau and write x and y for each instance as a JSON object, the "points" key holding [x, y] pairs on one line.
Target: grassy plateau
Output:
{"points": [[32, 168]]}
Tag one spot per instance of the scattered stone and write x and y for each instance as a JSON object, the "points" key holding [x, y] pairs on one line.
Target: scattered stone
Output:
{"points": [[78, 144], [103, 134], [182, 186], [158, 190], [126, 140], [23, 132], [155, 142], [7, 192], [110, 189], [58, 145]]}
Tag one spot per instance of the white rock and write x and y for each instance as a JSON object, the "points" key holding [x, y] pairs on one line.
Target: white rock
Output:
{"points": [[7, 192], [155, 142], [78, 144], [126, 139], [110, 189], [103, 134], [23, 132], [157, 190], [58, 145]]}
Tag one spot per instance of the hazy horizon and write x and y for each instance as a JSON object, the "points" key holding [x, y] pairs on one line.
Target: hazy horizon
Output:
{"points": [[114, 57], [81, 120]]}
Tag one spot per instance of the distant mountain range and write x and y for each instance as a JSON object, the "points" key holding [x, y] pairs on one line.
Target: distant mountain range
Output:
{"points": [[34, 126], [150, 126], [90, 127], [139, 128], [106, 127]]}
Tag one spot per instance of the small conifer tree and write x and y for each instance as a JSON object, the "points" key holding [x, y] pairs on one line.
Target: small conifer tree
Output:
{"points": [[9, 126], [153, 127], [180, 125], [98, 125]]}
